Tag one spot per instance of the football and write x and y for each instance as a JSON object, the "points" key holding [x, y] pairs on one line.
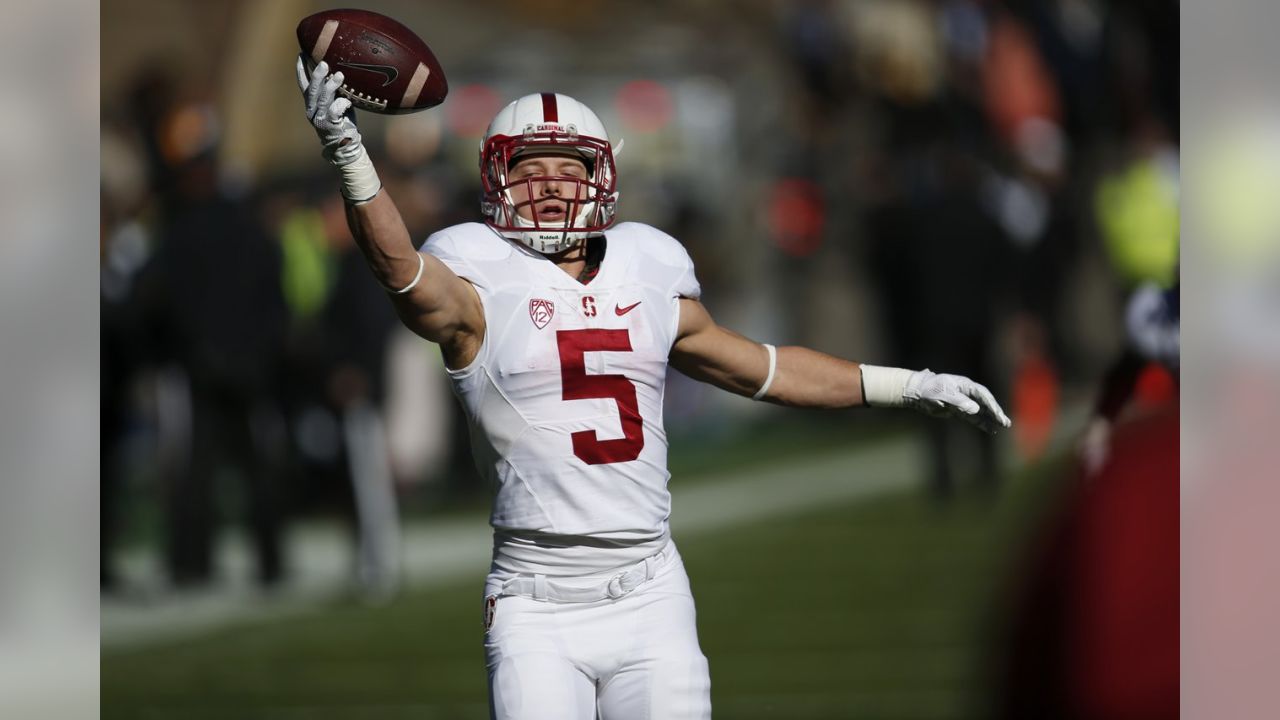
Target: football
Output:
{"points": [[386, 67]]}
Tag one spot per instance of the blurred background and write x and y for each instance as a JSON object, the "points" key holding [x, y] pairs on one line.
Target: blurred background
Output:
{"points": [[290, 521]]}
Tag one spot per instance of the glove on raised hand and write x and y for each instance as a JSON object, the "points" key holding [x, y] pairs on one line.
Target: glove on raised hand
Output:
{"points": [[334, 121]]}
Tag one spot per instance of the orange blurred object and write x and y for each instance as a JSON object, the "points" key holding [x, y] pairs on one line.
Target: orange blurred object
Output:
{"points": [[1035, 404], [1018, 86]]}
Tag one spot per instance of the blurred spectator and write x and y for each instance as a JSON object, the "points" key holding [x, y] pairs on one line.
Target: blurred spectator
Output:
{"points": [[1137, 209], [358, 323], [124, 248], [943, 267], [212, 299], [1145, 370], [339, 328], [1095, 630], [119, 361]]}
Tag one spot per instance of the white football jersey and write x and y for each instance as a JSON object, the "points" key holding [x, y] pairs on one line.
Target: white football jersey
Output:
{"points": [[565, 395]]}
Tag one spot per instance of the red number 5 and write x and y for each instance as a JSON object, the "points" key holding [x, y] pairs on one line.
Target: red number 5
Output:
{"points": [[578, 385]]}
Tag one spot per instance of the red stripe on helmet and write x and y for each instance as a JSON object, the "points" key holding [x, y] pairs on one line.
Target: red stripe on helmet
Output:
{"points": [[550, 113]]}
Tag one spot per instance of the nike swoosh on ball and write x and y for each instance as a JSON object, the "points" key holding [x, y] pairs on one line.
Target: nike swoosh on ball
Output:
{"points": [[389, 72]]}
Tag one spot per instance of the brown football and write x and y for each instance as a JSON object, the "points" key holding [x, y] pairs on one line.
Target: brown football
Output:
{"points": [[386, 68]]}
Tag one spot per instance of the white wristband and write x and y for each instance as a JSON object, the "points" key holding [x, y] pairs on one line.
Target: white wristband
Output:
{"points": [[360, 181], [421, 264], [884, 386], [773, 367]]}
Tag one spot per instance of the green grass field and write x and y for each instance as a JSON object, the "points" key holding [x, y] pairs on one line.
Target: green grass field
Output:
{"points": [[883, 608]]}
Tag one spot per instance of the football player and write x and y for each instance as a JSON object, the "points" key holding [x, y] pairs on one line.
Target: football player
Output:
{"points": [[557, 326]]}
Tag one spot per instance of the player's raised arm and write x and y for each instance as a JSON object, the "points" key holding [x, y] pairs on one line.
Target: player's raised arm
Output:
{"points": [[430, 299], [801, 377]]}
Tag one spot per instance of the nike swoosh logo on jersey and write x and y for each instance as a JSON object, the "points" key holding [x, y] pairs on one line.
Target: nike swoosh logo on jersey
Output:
{"points": [[624, 310], [387, 71]]}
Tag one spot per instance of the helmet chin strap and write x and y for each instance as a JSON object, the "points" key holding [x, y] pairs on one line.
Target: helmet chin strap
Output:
{"points": [[535, 235]]}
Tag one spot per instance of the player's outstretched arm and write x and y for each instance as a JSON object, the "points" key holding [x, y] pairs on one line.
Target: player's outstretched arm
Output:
{"points": [[804, 378], [801, 377], [429, 298]]}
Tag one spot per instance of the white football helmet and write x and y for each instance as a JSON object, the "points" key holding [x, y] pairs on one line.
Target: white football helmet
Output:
{"points": [[548, 123]]}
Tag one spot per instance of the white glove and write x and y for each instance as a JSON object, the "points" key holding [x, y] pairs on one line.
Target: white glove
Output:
{"points": [[335, 122], [937, 395]]}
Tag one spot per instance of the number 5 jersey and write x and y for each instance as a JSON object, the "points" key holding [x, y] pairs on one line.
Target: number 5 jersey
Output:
{"points": [[564, 398]]}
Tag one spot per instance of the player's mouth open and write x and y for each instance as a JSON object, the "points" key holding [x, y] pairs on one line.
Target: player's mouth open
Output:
{"points": [[551, 211]]}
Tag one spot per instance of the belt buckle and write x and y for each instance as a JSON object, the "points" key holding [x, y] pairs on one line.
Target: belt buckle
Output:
{"points": [[614, 589]]}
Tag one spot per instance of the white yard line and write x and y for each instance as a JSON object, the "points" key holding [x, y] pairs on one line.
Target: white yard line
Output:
{"points": [[450, 550]]}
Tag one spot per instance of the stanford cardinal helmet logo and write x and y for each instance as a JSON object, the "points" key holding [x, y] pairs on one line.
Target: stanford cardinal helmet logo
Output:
{"points": [[541, 311]]}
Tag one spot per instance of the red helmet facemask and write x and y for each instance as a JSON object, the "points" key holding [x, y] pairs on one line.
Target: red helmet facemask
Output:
{"points": [[589, 202]]}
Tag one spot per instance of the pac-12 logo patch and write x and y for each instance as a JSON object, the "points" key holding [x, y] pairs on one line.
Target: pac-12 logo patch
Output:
{"points": [[541, 312], [490, 609]]}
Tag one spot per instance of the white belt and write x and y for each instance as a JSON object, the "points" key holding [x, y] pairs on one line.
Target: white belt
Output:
{"points": [[538, 587]]}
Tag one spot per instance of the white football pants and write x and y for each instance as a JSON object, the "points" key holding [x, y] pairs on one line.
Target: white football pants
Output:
{"points": [[635, 657]]}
